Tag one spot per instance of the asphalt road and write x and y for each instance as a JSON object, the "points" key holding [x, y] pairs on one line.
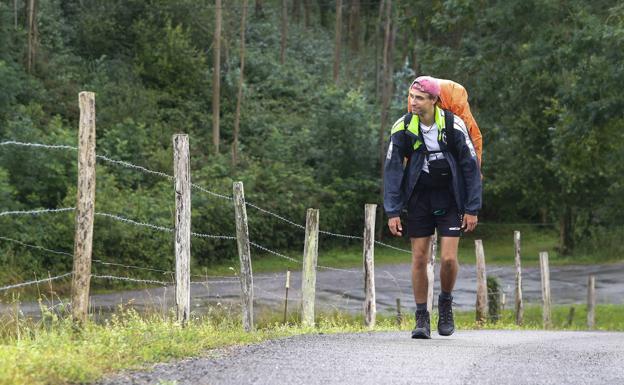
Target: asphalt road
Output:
{"points": [[467, 357], [344, 290]]}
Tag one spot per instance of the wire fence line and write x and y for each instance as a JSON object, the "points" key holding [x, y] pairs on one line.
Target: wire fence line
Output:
{"points": [[129, 279], [34, 282], [146, 170], [38, 145], [275, 253], [36, 212]]}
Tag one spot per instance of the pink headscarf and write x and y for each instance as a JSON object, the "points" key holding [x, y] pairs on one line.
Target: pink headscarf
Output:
{"points": [[426, 84]]}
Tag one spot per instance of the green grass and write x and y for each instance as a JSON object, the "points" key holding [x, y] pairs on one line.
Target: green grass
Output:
{"points": [[52, 351]]}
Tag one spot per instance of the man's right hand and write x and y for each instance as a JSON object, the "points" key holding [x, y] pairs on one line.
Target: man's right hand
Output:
{"points": [[395, 226]]}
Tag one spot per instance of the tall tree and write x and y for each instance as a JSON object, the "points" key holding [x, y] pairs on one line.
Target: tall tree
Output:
{"points": [[284, 31], [386, 89], [240, 85], [306, 13], [337, 44], [15, 12], [32, 35], [354, 26], [259, 10], [323, 12], [216, 78], [296, 10]]}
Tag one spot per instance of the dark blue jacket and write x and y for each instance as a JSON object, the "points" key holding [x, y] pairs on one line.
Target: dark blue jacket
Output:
{"points": [[399, 181]]}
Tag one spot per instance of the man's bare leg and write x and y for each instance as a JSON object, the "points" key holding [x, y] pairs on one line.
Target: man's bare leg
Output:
{"points": [[448, 275], [448, 263], [419, 268], [420, 284]]}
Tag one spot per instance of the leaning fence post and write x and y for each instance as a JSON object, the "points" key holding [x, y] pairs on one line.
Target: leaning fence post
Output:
{"points": [[482, 299], [546, 316], [591, 302], [370, 307], [431, 270], [182, 176], [519, 303], [85, 208], [310, 258], [244, 253]]}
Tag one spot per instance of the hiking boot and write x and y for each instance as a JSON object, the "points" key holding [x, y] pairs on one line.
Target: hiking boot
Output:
{"points": [[423, 326], [446, 324]]}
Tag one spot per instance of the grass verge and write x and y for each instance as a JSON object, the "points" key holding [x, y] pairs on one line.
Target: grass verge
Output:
{"points": [[52, 351]]}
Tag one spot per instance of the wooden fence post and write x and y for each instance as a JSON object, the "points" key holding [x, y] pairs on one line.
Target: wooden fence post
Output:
{"points": [[244, 253], [591, 302], [370, 307], [546, 316], [482, 298], [310, 258], [431, 270], [85, 208], [519, 304], [182, 175], [286, 299]]}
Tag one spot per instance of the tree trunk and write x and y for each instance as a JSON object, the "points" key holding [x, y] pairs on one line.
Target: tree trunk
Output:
{"points": [[240, 86], [306, 13], [259, 11], [15, 13], [216, 78], [284, 31], [354, 26], [323, 7], [378, 69], [386, 88], [296, 11], [32, 35], [566, 239], [337, 44]]}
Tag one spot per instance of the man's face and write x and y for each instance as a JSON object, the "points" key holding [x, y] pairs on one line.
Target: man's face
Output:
{"points": [[421, 102]]}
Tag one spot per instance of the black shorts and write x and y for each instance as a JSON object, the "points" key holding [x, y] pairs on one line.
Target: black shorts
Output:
{"points": [[421, 220]]}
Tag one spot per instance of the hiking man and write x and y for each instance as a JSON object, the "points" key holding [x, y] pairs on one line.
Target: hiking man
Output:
{"points": [[431, 169], [453, 97]]}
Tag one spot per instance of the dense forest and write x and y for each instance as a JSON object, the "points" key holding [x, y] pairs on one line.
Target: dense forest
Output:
{"points": [[294, 98]]}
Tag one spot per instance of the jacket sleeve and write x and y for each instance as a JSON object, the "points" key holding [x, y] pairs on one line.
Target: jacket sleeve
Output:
{"points": [[398, 147], [469, 166]]}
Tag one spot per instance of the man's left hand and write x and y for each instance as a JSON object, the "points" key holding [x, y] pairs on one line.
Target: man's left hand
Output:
{"points": [[469, 223]]}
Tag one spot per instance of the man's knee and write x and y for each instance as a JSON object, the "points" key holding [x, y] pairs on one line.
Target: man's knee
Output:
{"points": [[419, 261], [448, 261]]}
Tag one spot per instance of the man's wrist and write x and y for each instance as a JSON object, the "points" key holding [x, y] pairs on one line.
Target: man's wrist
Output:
{"points": [[470, 212]]}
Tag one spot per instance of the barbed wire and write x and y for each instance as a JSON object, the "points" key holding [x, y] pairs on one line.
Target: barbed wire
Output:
{"points": [[393, 247], [151, 281], [201, 235], [126, 164], [36, 212], [136, 223], [275, 215], [337, 269], [38, 145], [274, 252], [200, 188], [4, 288], [36, 247]]}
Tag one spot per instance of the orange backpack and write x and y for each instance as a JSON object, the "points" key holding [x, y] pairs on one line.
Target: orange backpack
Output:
{"points": [[453, 97]]}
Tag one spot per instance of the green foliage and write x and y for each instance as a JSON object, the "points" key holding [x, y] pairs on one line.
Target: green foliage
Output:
{"points": [[494, 298], [541, 75]]}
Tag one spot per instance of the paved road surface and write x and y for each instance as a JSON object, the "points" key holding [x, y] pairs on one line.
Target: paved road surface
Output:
{"points": [[345, 290], [467, 357]]}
